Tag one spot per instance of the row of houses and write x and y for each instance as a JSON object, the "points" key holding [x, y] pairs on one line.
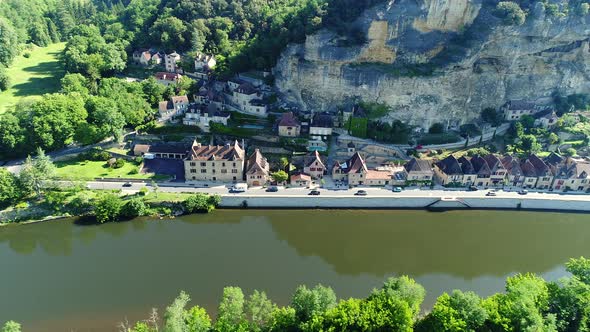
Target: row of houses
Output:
{"points": [[203, 63], [553, 172]]}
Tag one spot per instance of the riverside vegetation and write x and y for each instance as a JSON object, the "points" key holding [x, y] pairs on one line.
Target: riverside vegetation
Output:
{"points": [[34, 193], [529, 303]]}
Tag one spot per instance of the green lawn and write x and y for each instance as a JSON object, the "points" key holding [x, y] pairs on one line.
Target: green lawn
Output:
{"points": [[33, 76], [89, 170]]}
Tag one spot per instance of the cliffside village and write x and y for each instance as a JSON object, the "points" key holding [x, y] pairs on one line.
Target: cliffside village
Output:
{"points": [[351, 164]]}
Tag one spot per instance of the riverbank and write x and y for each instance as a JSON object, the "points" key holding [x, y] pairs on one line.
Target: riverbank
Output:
{"points": [[455, 200]]}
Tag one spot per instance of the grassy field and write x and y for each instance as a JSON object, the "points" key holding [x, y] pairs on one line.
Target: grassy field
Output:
{"points": [[89, 170], [33, 76]]}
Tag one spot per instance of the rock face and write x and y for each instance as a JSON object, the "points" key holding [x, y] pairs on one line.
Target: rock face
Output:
{"points": [[438, 61]]}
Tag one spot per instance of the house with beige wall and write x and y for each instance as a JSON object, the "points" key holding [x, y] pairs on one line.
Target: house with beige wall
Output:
{"points": [[215, 163], [257, 170]]}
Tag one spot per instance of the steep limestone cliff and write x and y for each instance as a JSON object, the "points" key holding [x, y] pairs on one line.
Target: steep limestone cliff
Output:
{"points": [[439, 61]]}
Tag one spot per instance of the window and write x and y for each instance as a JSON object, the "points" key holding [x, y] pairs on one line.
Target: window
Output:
{"points": [[224, 171], [203, 171], [223, 164], [234, 171], [203, 164], [212, 164], [234, 164], [213, 171], [193, 170], [193, 164]]}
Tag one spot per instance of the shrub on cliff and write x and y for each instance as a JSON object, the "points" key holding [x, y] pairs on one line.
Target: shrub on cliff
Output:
{"points": [[108, 208], [134, 208], [511, 13]]}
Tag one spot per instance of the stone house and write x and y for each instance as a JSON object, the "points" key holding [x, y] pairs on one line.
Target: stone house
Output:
{"points": [[419, 170], [204, 62], [547, 119], [513, 110], [248, 99], [289, 126], [301, 180], [167, 78], [514, 174], [203, 115], [448, 171], [314, 166], [257, 170], [321, 127], [573, 174], [497, 170], [215, 163], [469, 174], [482, 170], [356, 173], [176, 106], [171, 62]]}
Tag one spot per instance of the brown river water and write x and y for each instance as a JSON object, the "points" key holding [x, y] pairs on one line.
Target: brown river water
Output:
{"points": [[67, 276]]}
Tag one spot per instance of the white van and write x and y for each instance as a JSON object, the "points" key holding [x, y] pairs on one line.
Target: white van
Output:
{"points": [[239, 188]]}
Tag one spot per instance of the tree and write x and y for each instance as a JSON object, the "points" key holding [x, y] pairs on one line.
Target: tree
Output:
{"points": [[169, 32], [105, 115], [528, 144], [4, 79], [11, 326], [280, 176], [108, 208], [230, 314], [71, 83], [406, 289], [553, 138], [174, 316], [9, 47], [200, 202], [134, 207], [437, 128], [311, 302], [35, 171], [570, 152], [197, 320], [569, 301], [259, 310], [283, 162], [491, 116], [527, 121], [511, 13], [12, 135], [580, 268], [9, 188], [456, 312], [283, 320]]}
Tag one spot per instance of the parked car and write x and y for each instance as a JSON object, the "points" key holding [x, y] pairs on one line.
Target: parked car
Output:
{"points": [[127, 184], [314, 193], [473, 188], [397, 190], [523, 192], [491, 193], [360, 193], [238, 188], [272, 189]]}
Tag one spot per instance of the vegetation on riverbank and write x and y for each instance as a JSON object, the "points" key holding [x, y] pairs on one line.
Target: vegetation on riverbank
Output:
{"points": [[529, 303]]}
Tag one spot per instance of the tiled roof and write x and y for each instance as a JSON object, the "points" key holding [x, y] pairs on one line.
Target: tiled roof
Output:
{"points": [[163, 106], [301, 177], [288, 120], [528, 169], [512, 165], [257, 164], [179, 99], [418, 165], [466, 165], [480, 166], [450, 166], [247, 89], [554, 159], [167, 76], [228, 152], [378, 175], [355, 164], [313, 157]]}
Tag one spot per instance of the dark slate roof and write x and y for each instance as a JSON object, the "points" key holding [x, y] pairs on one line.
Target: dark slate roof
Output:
{"points": [[520, 105], [418, 165], [355, 164], [450, 166], [528, 169], [481, 166], [466, 165], [247, 89], [540, 166], [322, 120], [512, 165], [554, 159], [493, 162], [288, 120]]}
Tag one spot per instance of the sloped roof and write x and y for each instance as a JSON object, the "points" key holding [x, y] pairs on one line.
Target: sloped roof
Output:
{"points": [[257, 164], [418, 165], [554, 159], [322, 120], [288, 120], [378, 175], [246, 88], [229, 152], [541, 167], [450, 166], [528, 169], [300, 177], [493, 162], [163, 106], [466, 166], [512, 165], [480, 166], [355, 164], [310, 158], [179, 99]]}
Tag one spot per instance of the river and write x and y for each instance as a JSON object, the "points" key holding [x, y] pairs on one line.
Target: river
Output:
{"points": [[67, 276]]}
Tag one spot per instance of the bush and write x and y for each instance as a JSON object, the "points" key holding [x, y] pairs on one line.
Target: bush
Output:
{"points": [[202, 203], [511, 13], [143, 191], [119, 163], [27, 54], [4, 79], [133, 171], [570, 152], [108, 208], [94, 154], [134, 208]]}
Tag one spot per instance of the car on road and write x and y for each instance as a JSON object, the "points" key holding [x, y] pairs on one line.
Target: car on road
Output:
{"points": [[523, 192], [491, 193], [127, 184], [360, 193], [272, 189], [473, 188], [397, 190], [238, 188], [314, 193]]}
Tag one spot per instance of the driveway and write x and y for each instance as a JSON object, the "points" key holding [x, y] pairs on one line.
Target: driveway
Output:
{"points": [[172, 167]]}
